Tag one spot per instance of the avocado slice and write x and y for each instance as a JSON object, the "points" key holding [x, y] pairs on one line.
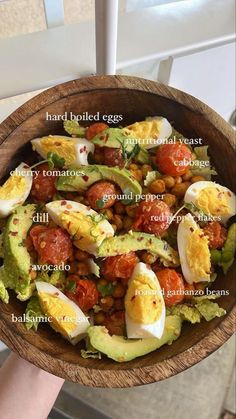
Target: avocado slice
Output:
{"points": [[228, 251], [16, 257], [134, 241], [113, 138], [94, 173], [121, 349]]}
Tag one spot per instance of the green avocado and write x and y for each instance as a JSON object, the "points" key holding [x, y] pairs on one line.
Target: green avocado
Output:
{"points": [[93, 173], [228, 251], [113, 138], [16, 257], [122, 350], [134, 241]]}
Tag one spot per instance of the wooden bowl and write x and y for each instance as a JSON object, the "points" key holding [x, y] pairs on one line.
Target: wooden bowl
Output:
{"points": [[135, 99]]}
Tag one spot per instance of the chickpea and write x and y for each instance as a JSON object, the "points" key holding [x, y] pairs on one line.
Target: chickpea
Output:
{"points": [[107, 213], [99, 318], [79, 199], [114, 227], [119, 304], [106, 303], [133, 166], [196, 179], [145, 169], [157, 186], [127, 222], [131, 210], [117, 220], [119, 208], [169, 181], [119, 291], [201, 287], [169, 199], [73, 267], [80, 255], [180, 189], [178, 179], [33, 274], [137, 174], [82, 268], [102, 282], [148, 257], [187, 175]]}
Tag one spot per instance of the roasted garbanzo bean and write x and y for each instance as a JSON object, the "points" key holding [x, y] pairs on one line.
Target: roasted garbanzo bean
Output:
{"points": [[133, 166], [82, 269], [169, 199], [169, 181], [119, 304], [178, 179], [81, 255], [99, 318], [195, 179], [187, 175], [114, 227], [157, 186], [145, 169], [127, 222], [33, 274], [131, 210], [106, 303], [180, 189], [148, 257], [107, 213], [137, 174], [119, 291], [119, 208], [117, 220], [102, 281]]}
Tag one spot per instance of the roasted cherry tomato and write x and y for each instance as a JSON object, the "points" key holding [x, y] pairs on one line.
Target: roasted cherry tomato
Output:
{"points": [[120, 266], [85, 294], [173, 159], [43, 187], [216, 234], [172, 284], [94, 129], [113, 157], [101, 195], [152, 217], [115, 323], [53, 245]]}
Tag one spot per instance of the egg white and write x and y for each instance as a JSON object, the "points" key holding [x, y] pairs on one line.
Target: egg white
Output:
{"points": [[82, 148], [139, 330], [7, 206], [81, 321], [56, 208], [193, 191], [183, 232]]}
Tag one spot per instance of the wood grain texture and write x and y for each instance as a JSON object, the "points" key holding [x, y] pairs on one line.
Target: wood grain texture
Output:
{"points": [[135, 99]]}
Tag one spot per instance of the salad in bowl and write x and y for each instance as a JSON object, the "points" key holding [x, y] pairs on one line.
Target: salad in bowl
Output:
{"points": [[115, 236]]}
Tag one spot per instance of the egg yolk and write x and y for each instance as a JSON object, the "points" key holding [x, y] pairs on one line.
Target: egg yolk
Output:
{"points": [[64, 148], [83, 229], [198, 255], [63, 317], [145, 130], [143, 301], [14, 187], [213, 201]]}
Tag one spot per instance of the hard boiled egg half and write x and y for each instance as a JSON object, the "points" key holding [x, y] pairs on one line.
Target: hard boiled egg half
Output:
{"points": [[87, 228], [151, 130], [74, 150], [193, 250], [213, 199], [63, 314], [15, 190], [144, 304]]}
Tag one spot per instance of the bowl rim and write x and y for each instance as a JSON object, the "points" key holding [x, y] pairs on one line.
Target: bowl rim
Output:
{"points": [[118, 377]]}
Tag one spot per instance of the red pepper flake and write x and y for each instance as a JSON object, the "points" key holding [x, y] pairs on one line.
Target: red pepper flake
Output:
{"points": [[81, 150], [57, 144], [139, 239], [63, 202], [154, 302], [106, 138], [229, 193], [133, 298], [56, 294], [13, 233], [16, 221], [85, 178], [191, 229]]}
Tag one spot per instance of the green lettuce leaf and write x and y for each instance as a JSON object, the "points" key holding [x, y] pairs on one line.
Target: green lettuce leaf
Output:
{"points": [[151, 176], [91, 354], [202, 155], [1, 246], [187, 313], [56, 278], [33, 313], [74, 128]]}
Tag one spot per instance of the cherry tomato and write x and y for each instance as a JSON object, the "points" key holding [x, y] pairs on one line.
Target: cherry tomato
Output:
{"points": [[85, 294], [216, 234], [43, 187], [115, 323], [94, 129], [99, 195], [173, 159], [120, 266], [152, 217], [53, 245], [113, 157], [173, 285]]}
